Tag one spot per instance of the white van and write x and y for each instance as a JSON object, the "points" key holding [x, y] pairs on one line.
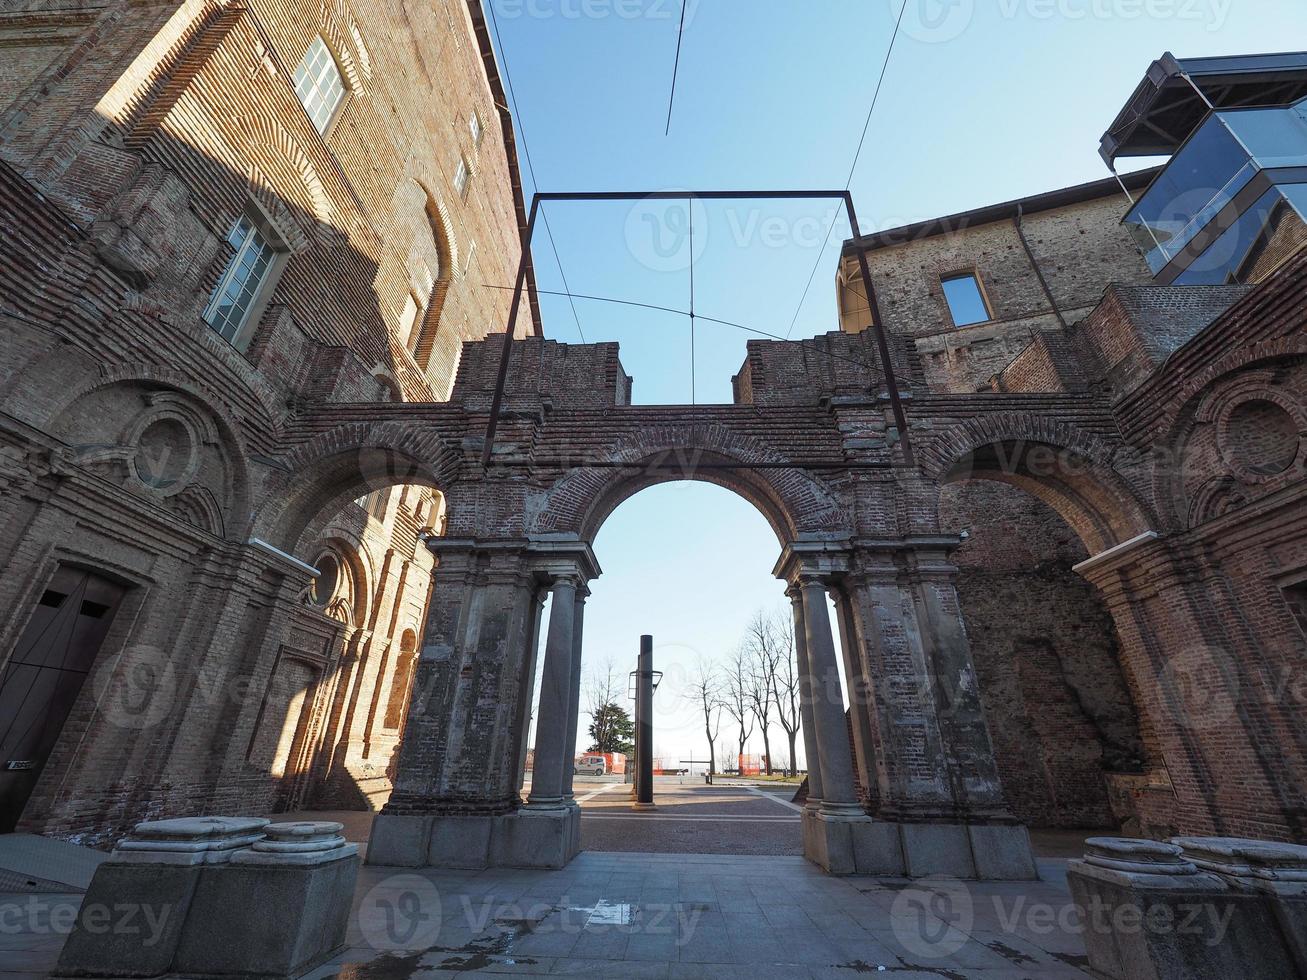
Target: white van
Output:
{"points": [[591, 765]]}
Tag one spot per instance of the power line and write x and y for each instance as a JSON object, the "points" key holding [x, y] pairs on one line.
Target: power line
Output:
{"points": [[861, 365], [676, 68], [526, 151], [866, 126]]}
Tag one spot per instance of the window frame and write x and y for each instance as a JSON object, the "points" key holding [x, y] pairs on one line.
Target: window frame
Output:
{"points": [[477, 127], [329, 123], [973, 274], [278, 254], [465, 169]]}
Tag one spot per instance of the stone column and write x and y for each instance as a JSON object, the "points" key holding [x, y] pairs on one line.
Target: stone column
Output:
{"points": [[555, 701], [806, 693], [838, 797], [574, 694], [860, 699]]}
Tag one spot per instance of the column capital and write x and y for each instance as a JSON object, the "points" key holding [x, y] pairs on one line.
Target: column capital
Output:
{"points": [[555, 557], [821, 560]]}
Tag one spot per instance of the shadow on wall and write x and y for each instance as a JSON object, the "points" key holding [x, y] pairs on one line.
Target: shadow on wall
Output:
{"points": [[217, 678]]}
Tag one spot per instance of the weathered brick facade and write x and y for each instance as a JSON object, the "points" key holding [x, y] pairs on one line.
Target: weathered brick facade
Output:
{"points": [[132, 135], [1118, 453]]}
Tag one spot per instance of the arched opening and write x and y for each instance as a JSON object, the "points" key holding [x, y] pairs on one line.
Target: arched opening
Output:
{"points": [[1061, 715], [689, 562], [341, 675]]}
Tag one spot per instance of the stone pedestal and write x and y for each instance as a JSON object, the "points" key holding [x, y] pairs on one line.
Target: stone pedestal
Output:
{"points": [[156, 871], [863, 845], [1152, 914], [1277, 872], [276, 909]]}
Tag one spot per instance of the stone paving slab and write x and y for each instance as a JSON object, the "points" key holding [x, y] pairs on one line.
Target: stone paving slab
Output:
{"points": [[712, 915]]}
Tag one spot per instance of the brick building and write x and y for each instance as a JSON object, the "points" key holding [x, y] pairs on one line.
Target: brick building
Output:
{"points": [[217, 216], [249, 376]]}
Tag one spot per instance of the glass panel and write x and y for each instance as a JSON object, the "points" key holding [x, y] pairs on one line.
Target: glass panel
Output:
{"points": [[460, 177], [1252, 247], [318, 84], [965, 301], [1200, 180], [1275, 137], [241, 281]]}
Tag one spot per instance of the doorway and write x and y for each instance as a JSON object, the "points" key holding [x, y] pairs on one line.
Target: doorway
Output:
{"points": [[42, 679]]}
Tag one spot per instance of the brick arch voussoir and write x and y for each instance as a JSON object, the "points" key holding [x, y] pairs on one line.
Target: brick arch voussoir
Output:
{"points": [[341, 461], [1109, 516], [1192, 391], [793, 500]]}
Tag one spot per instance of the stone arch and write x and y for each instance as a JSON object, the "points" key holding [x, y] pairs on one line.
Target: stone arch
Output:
{"points": [[1068, 468], [792, 500], [342, 464]]}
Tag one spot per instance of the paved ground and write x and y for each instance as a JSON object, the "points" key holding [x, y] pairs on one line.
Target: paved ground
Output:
{"points": [[710, 884]]}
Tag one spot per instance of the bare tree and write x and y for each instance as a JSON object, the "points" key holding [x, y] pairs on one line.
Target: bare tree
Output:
{"points": [[785, 690], [603, 687], [768, 643], [737, 697], [706, 694]]}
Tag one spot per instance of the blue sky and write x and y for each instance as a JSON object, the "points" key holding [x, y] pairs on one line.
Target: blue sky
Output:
{"points": [[983, 101]]}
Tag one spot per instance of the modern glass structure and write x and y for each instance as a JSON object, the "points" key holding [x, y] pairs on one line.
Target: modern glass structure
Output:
{"points": [[1231, 203]]}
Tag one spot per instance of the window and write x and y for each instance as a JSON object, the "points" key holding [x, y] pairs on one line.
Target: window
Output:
{"points": [[319, 85], [474, 123], [966, 301], [409, 318], [243, 280], [471, 254], [461, 177]]}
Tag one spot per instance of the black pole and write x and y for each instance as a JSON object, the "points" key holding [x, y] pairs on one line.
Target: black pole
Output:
{"points": [[644, 726]]}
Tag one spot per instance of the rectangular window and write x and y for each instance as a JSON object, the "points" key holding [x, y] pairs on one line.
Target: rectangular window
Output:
{"points": [[474, 123], [966, 300], [319, 85], [242, 281], [1296, 597], [471, 254], [461, 177]]}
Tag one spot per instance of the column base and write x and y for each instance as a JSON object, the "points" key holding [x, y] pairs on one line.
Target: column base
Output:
{"points": [[527, 838], [861, 845]]}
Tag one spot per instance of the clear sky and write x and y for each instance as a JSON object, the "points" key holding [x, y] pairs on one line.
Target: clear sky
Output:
{"points": [[983, 101]]}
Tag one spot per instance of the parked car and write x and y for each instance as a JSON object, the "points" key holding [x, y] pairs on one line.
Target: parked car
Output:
{"points": [[591, 765]]}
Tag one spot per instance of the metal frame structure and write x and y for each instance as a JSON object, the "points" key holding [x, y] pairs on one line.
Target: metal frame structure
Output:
{"points": [[882, 341]]}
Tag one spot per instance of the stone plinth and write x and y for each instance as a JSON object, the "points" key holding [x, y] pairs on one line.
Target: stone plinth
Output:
{"points": [[532, 837], [157, 870], [1151, 914], [276, 909], [217, 897], [847, 845]]}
